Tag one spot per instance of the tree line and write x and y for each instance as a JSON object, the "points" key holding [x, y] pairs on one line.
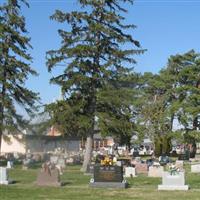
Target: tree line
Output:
{"points": [[101, 91]]}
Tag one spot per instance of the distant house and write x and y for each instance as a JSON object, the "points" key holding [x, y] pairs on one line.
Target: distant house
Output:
{"points": [[22, 143]]}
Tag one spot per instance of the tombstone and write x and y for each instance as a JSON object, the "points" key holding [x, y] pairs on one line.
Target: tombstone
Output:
{"points": [[69, 161], [37, 157], [4, 180], [27, 163], [119, 163], [54, 159], [195, 168], [141, 168], [108, 177], [61, 162], [197, 157], [173, 182], [155, 171], [48, 176], [9, 164], [130, 172]]}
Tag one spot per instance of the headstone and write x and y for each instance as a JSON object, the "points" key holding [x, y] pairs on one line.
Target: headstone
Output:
{"points": [[108, 176], [155, 171], [69, 161], [195, 168], [37, 157], [197, 157], [54, 159], [61, 162], [48, 176], [141, 168], [27, 163], [129, 172], [9, 164], [4, 180], [173, 182]]}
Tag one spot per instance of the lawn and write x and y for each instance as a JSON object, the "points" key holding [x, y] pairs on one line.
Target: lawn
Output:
{"points": [[76, 188]]}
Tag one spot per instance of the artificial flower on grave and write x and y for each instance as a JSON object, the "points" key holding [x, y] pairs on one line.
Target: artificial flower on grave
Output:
{"points": [[173, 169]]}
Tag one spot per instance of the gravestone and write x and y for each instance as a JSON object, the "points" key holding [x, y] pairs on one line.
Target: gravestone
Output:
{"points": [[195, 168], [48, 176], [69, 161], [197, 157], [4, 180], [27, 163], [129, 172], [173, 182], [141, 168], [155, 171], [54, 159], [108, 177], [37, 157], [9, 164], [61, 162]]}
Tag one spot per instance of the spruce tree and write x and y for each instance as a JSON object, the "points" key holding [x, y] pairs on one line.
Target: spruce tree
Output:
{"points": [[96, 81], [15, 68]]}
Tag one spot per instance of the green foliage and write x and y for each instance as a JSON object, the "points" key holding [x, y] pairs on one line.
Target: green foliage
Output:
{"points": [[96, 85], [14, 67]]}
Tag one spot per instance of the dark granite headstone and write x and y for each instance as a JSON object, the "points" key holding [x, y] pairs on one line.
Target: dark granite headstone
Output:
{"points": [[108, 173], [108, 177], [48, 176]]}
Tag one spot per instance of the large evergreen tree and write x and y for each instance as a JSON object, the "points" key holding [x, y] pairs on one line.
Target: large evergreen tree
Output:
{"points": [[14, 68], [96, 81], [184, 73]]}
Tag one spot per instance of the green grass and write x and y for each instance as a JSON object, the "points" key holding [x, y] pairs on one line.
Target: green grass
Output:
{"points": [[76, 188]]}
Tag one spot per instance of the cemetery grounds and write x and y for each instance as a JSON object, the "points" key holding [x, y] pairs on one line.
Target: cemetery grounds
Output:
{"points": [[76, 187]]}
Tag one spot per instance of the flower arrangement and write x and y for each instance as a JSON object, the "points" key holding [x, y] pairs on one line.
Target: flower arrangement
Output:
{"points": [[173, 170], [107, 161]]}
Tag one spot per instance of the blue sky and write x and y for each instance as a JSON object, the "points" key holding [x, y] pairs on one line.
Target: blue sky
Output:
{"points": [[164, 28]]}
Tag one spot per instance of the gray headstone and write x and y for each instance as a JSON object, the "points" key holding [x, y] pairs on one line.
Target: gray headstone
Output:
{"points": [[48, 176]]}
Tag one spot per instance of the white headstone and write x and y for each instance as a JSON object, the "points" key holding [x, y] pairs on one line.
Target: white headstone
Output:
{"points": [[9, 164], [195, 168], [129, 172], [173, 182], [54, 159], [4, 176]]}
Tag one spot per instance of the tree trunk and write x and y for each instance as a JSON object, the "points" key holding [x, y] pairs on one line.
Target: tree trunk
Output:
{"points": [[88, 153]]}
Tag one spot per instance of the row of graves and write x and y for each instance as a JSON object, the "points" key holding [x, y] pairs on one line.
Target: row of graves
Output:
{"points": [[110, 171], [53, 166]]}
